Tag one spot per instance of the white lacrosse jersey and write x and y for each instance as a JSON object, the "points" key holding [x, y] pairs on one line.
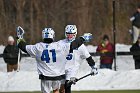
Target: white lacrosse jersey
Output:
{"points": [[69, 63], [51, 58], [72, 65]]}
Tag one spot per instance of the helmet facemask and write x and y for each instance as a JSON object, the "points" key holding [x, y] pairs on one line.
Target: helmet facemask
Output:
{"points": [[70, 36], [70, 32]]}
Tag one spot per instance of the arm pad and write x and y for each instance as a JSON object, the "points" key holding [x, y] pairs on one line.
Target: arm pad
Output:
{"points": [[90, 61]]}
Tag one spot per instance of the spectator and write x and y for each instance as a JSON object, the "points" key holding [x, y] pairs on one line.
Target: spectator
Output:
{"points": [[105, 46], [136, 48], [10, 55], [135, 19]]}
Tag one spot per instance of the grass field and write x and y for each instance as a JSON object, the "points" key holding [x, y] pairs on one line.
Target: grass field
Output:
{"points": [[105, 91]]}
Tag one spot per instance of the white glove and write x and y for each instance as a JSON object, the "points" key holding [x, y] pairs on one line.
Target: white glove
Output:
{"points": [[72, 80], [94, 70], [20, 32], [132, 18], [87, 37]]}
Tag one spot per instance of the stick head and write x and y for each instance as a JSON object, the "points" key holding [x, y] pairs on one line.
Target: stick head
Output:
{"points": [[20, 32]]}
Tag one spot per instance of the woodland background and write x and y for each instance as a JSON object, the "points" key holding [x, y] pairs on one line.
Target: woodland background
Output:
{"points": [[94, 16]]}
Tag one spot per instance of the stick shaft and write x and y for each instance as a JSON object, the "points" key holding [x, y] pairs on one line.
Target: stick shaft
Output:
{"points": [[85, 76], [18, 60]]}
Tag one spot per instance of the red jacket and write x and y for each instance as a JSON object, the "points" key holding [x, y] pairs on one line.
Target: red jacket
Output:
{"points": [[108, 48]]}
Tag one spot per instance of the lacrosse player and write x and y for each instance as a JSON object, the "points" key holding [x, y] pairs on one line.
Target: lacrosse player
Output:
{"points": [[51, 57], [79, 54]]}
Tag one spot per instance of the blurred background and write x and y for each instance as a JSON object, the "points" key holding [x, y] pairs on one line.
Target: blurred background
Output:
{"points": [[94, 16]]}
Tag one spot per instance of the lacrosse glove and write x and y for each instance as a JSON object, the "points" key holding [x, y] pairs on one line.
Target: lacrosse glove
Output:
{"points": [[20, 40], [94, 70], [72, 80]]}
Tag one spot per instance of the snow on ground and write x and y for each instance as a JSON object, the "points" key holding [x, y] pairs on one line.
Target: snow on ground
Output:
{"points": [[126, 77]]}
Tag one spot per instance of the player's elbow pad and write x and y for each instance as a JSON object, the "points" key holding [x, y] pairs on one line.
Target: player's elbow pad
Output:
{"points": [[90, 61]]}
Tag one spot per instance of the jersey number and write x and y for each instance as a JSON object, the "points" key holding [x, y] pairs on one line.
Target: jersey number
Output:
{"points": [[45, 56]]}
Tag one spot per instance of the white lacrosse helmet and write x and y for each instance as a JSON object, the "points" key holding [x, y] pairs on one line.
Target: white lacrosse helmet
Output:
{"points": [[70, 32], [48, 33]]}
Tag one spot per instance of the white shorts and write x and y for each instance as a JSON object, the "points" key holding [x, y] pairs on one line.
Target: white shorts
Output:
{"points": [[63, 81], [47, 85]]}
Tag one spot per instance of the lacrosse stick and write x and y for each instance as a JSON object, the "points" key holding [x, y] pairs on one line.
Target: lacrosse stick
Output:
{"points": [[20, 33], [85, 76], [70, 83]]}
